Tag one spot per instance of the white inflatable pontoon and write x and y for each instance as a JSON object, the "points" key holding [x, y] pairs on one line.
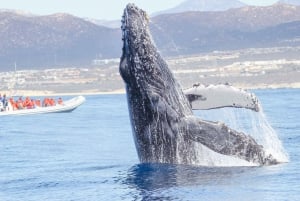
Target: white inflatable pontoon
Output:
{"points": [[67, 106]]}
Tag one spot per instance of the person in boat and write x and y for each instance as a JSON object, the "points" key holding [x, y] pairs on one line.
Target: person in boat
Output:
{"points": [[27, 103], [13, 103], [60, 101], [46, 102], [37, 103], [4, 101], [1, 104], [20, 103], [32, 103], [52, 102]]}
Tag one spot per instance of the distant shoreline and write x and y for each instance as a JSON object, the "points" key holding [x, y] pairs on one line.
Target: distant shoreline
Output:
{"points": [[123, 91]]}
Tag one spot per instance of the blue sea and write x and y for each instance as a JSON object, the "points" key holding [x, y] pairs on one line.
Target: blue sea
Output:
{"points": [[89, 155]]}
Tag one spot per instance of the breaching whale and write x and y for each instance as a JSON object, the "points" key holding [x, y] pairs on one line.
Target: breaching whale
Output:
{"points": [[164, 127]]}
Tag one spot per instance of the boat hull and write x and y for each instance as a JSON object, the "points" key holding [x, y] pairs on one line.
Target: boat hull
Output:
{"points": [[67, 106]]}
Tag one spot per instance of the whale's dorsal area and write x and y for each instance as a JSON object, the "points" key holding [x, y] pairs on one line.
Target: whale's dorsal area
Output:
{"points": [[164, 127]]}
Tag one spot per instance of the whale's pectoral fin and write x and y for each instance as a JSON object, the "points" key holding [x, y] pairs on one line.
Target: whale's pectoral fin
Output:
{"points": [[203, 97], [221, 139]]}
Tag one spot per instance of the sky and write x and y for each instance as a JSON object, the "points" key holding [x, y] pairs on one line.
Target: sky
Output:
{"points": [[97, 9]]}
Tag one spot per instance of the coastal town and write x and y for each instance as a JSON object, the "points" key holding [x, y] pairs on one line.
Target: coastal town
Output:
{"points": [[242, 68]]}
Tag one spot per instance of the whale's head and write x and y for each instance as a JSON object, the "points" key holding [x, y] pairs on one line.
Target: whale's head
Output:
{"points": [[137, 46], [142, 68]]}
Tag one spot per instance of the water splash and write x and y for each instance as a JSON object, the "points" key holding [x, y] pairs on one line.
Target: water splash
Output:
{"points": [[252, 123], [263, 132]]}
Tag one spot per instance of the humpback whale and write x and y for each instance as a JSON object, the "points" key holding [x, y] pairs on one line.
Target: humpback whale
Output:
{"points": [[164, 127]]}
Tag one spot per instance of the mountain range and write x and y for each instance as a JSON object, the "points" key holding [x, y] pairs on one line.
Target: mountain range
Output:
{"points": [[251, 26], [53, 40], [61, 40], [203, 5]]}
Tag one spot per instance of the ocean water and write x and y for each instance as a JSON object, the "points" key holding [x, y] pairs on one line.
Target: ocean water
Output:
{"points": [[89, 155]]}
